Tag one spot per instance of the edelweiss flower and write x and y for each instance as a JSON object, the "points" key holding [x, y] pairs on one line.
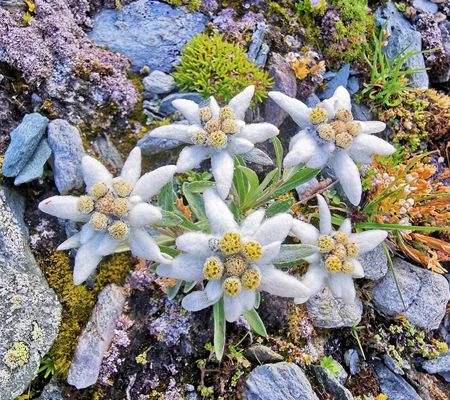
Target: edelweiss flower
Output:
{"points": [[235, 260], [330, 136], [115, 212], [336, 260], [216, 133]]}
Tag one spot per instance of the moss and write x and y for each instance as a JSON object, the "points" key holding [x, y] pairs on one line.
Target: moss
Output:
{"points": [[113, 269], [212, 66], [192, 5]]}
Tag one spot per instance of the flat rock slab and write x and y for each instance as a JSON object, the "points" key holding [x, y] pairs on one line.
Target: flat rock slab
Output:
{"points": [[35, 166], [425, 294], [330, 384], [29, 310], [25, 139], [96, 337], [440, 365], [280, 381], [65, 142], [148, 32], [374, 263], [325, 311]]}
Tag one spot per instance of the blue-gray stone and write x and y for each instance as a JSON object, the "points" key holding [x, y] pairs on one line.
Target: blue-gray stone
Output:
{"points": [[258, 50], [312, 101], [24, 140], [424, 292], [393, 385], [35, 166], [151, 145], [339, 79], [330, 384], [166, 107], [425, 6], [158, 82], [65, 142], [402, 36], [353, 85], [374, 263], [440, 365], [280, 381], [149, 33], [261, 59]]}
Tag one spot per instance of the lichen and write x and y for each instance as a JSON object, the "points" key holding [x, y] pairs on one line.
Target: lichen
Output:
{"points": [[212, 66], [17, 356], [192, 5]]}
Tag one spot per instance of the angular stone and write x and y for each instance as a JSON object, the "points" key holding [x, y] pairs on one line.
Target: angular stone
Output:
{"points": [[147, 32], [96, 337], [325, 311], [424, 292], [65, 142], [262, 354], [374, 263], [281, 381], [284, 82], [29, 310], [166, 107], [108, 152], [158, 82], [425, 6], [440, 365], [402, 35], [257, 47], [330, 384], [392, 385], [35, 166], [340, 79], [24, 140]]}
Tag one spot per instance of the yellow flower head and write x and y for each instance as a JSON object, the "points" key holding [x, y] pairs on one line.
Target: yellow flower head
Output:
{"points": [[339, 251], [99, 190], [200, 137], [205, 114], [343, 115], [213, 125], [318, 115], [326, 132], [229, 126], [348, 267], [227, 113], [344, 140], [353, 127], [122, 188], [333, 264], [99, 221], [326, 243], [119, 230], [85, 205], [120, 207], [212, 268], [105, 204], [232, 286], [251, 279], [230, 243], [217, 139], [352, 250], [252, 251]]}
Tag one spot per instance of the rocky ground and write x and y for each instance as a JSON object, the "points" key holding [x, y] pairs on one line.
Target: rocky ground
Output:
{"points": [[95, 77]]}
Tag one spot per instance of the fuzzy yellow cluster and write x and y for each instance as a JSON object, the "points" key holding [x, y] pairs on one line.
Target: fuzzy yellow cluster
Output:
{"points": [[234, 263], [336, 250], [215, 131], [106, 206], [340, 131]]}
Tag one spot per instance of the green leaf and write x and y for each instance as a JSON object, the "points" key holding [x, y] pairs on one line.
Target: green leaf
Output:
{"points": [[257, 299], [391, 268], [292, 254], [251, 177], [169, 250], [398, 227], [166, 197], [188, 286], [301, 176], [255, 322], [169, 218], [195, 201], [279, 207], [200, 186], [278, 152], [173, 290], [219, 329]]}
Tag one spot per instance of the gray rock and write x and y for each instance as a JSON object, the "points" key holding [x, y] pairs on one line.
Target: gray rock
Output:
{"points": [[339, 79], [353, 85], [374, 263], [29, 309], [281, 381], [401, 35], [147, 32], [108, 152], [25, 139], [258, 353], [65, 142], [258, 50], [392, 365], [330, 384], [440, 365], [257, 156], [425, 294], [35, 165], [353, 361], [150, 145], [312, 100], [425, 6], [158, 82], [361, 112], [285, 82], [392, 385], [325, 311], [52, 391], [166, 107], [96, 337]]}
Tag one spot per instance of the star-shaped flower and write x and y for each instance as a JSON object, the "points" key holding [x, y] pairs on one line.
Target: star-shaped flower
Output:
{"points": [[330, 136], [235, 260], [216, 133], [115, 211], [335, 261]]}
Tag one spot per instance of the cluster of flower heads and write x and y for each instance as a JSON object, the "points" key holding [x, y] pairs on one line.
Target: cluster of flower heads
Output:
{"points": [[234, 261]]}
